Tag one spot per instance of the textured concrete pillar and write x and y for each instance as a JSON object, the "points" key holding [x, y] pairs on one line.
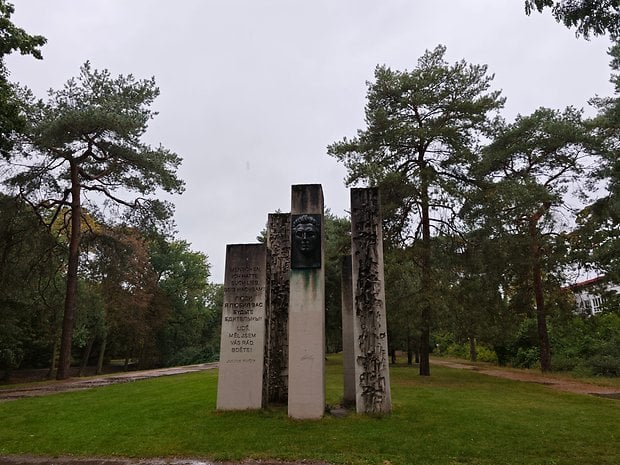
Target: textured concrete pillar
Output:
{"points": [[276, 357], [240, 381], [348, 353], [306, 391], [370, 325]]}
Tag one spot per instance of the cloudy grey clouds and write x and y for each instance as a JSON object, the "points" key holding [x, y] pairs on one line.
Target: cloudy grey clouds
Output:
{"points": [[252, 91]]}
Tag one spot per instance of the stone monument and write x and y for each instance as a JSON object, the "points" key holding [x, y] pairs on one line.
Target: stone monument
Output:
{"points": [[242, 346], [279, 256], [348, 352], [306, 367], [370, 325]]}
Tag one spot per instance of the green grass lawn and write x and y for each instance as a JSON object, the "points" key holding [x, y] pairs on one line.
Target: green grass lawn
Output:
{"points": [[453, 417]]}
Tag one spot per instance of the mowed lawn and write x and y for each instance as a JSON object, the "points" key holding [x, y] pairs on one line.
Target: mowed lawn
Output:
{"points": [[452, 417]]}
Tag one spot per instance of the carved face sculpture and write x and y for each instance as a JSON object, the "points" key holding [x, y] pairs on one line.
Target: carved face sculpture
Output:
{"points": [[306, 235], [306, 241]]}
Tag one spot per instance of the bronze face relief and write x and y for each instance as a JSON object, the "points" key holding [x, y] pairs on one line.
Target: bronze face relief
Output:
{"points": [[306, 241]]}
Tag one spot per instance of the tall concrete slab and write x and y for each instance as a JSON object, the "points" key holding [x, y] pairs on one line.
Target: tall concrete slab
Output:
{"points": [[370, 325], [306, 391], [242, 346], [348, 352], [279, 257]]}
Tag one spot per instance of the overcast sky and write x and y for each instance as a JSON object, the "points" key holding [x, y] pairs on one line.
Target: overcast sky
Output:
{"points": [[253, 91]]}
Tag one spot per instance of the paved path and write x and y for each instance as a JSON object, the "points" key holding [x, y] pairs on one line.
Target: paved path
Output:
{"points": [[79, 384]]}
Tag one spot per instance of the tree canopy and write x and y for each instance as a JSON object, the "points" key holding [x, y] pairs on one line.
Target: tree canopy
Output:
{"points": [[12, 39], [589, 17], [423, 128], [82, 148]]}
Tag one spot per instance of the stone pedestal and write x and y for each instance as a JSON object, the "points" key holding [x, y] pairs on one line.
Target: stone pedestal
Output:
{"points": [[306, 392], [348, 355], [370, 325], [240, 381], [279, 256]]}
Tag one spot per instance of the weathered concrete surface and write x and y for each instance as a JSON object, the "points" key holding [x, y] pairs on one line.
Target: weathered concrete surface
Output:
{"points": [[348, 350], [372, 374], [242, 347], [276, 356], [306, 392]]}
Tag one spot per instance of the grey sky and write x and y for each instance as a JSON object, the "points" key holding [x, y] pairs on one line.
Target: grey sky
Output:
{"points": [[253, 91]]}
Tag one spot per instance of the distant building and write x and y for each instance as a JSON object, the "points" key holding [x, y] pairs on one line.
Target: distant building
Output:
{"points": [[590, 295]]}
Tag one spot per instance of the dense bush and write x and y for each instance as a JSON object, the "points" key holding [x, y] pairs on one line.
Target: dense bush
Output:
{"points": [[588, 345]]}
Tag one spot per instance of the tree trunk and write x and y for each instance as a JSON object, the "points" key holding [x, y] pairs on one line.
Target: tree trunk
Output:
{"points": [[86, 355], [539, 296], [426, 279], [52, 370], [473, 353], [409, 351], [102, 353], [393, 355], [64, 363]]}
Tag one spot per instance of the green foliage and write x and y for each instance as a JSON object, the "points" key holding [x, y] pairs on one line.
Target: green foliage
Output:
{"points": [[457, 416], [337, 245], [12, 39], [527, 175], [30, 260], [95, 122], [189, 334], [422, 124], [596, 242], [588, 345], [82, 148], [484, 354], [402, 292], [589, 17], [423, 129]]}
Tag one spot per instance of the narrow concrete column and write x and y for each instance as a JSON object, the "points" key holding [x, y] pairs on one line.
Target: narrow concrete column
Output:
{"points": [[370, 326], [276, 358], [348, 354], [240, 381], [306, 391]]}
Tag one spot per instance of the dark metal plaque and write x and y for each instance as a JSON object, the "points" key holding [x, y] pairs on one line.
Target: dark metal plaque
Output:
{"points": [[305, 241]]}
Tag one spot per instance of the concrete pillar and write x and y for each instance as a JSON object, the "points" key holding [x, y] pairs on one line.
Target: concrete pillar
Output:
{"points": [[240, 381], [370, 327], [276, 357], [306, 392], [348, 353]]}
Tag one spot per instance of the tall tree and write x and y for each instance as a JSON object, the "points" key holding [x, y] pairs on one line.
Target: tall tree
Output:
{"points": [[422, 130], [531, 168], [182, 277], [589, 17], [119, 266], [599, 223], [337, 244], [12, 38], [83, 148], [29, 262]]}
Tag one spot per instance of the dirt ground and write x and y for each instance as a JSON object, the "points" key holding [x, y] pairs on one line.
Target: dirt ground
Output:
{"points": [[74, 384], [561, 383]]}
